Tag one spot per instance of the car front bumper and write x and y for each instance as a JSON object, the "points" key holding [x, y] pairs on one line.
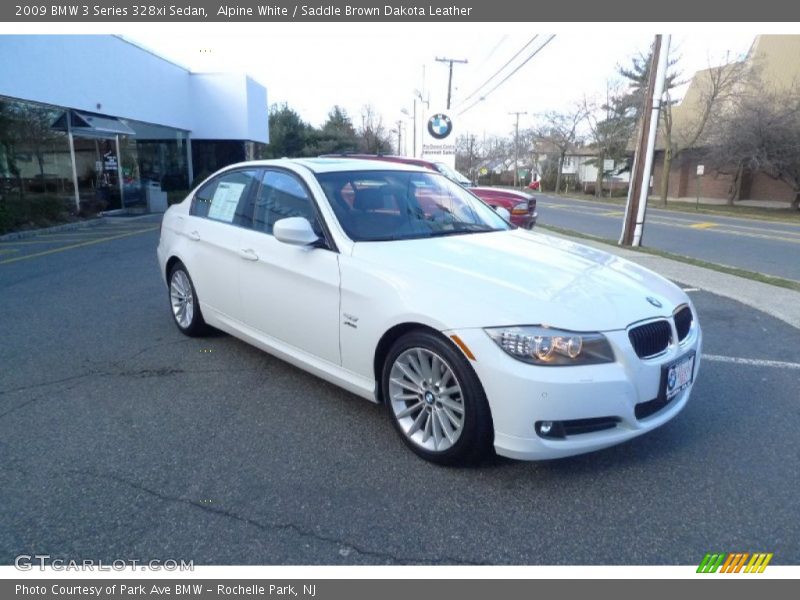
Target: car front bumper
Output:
{"points": [[525, 221], [521, 395]]}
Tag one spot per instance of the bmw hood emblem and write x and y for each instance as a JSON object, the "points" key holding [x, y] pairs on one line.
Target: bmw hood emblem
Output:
{"points": [[654, 301]]}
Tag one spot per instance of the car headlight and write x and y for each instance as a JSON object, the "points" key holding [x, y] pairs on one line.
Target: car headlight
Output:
{"points": [[520, 209], [546, 346]]}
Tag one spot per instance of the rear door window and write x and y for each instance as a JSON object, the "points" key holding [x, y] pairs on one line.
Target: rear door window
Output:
{"points": [[225, 198]]}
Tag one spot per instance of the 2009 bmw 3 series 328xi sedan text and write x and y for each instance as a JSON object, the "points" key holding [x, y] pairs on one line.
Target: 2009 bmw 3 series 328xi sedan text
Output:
{"points": [[402, 287]]}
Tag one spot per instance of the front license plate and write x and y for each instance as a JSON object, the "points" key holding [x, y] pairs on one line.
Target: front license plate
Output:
{"points": [[679, 376]]}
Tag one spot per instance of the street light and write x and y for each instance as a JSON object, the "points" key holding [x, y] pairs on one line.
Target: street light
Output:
{"points": [[399, 132], [414, 125], [425, 104]]}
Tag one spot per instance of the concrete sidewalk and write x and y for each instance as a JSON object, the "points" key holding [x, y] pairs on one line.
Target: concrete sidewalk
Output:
{"points": [[781, 303]]}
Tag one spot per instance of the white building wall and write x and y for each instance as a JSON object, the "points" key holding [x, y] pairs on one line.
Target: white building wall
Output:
{"points": [[228, 106], [84, 71], [586, 172], [257, 111]]}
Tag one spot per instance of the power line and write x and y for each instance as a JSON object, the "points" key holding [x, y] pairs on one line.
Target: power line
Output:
{"points": [[494, 49], [507, 77], [477, 89]]}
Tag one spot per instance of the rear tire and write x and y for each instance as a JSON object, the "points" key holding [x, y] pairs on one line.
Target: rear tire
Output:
{"points": [[183, 301], [435, 400]]}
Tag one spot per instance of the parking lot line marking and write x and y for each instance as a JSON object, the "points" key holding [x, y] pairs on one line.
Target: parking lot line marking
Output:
{"points": [[690, 289], [53, 239], [703, 225], [751, 361], [46, 240], [8, 250], [79, 245]]}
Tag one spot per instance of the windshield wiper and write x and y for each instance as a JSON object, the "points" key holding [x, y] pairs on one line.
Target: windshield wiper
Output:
{"points": [[463, 228]]}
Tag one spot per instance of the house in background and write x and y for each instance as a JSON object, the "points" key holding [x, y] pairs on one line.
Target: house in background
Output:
{"points": [[580, 168]]}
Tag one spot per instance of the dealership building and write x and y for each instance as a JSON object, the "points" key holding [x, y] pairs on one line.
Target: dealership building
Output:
{"points": [[98, 122]]}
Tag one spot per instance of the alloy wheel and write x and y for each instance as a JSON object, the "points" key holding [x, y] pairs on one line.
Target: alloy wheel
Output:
{"points": [[182, 299], [426, 399]]}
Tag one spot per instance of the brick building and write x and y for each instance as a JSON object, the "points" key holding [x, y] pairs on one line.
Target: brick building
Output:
{"points": [[777, 60]]}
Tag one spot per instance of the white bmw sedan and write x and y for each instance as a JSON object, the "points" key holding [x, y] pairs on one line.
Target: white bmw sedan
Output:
{"points": [[401, 287]]}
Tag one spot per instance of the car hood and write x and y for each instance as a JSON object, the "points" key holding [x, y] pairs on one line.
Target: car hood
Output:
{"points": [[501, 192], [520, 278]]}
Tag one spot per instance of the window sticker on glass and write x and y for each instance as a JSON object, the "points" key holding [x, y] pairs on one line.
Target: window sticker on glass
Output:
{"points": [[226, 198]]}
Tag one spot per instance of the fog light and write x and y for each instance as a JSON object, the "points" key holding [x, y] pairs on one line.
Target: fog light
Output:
{"points": [[552, 430]]}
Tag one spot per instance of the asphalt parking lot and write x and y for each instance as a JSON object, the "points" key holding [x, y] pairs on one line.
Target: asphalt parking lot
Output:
{"points": [[122, 439]]}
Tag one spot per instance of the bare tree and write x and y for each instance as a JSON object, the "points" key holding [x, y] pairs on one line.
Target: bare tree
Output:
{"points": [[373, 135], [497, 148], [714, 88], [560, 130], [467, 154], [612, 125], [760, 133]]}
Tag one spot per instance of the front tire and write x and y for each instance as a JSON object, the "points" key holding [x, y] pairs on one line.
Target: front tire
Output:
{"points": [[435, 400], [183, 300]]}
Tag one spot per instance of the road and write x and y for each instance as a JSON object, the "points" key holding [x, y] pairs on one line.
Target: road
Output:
{"points": [[122, 439], [756, 245]]}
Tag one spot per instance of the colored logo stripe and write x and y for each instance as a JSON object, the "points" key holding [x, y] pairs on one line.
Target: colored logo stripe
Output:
{"points": [[733, 562], [710, 563], [759, 561]]}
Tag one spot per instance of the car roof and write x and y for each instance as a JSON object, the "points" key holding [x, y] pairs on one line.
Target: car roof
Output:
{"points": [[408, 160], [327, 165], [333, 165]]}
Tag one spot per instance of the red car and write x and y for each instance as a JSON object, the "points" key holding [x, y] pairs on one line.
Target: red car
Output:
{"points": [[520, 205]]}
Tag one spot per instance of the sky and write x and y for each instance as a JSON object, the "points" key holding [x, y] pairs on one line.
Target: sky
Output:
{"points": [[312, 66]]}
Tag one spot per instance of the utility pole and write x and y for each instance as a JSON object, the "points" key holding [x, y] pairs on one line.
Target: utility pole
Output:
{"points": [[643, 159], [399, 137], [516, 146], [450, 79]]}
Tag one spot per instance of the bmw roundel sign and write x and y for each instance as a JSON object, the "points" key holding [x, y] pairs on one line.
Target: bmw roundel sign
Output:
{"points": [[440, 126]]}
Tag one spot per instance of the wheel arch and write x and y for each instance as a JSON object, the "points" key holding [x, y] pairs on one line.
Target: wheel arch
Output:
{"points": [[393, 334], [171, 262]]}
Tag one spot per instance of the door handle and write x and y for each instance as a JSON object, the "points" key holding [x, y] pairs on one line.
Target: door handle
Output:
{"points": [[194, 236], [248, 254]]}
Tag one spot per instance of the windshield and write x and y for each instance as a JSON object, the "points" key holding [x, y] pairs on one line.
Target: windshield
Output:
{"points": [[398, 205], [450, 172]]}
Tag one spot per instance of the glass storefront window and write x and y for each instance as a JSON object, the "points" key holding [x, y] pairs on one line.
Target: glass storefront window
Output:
{"points": [[36, 185], [116, 161], [162, 156]]}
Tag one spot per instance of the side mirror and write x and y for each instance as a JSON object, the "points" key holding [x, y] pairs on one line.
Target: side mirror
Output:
{"points": [[294, 230], [503, 213]]}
